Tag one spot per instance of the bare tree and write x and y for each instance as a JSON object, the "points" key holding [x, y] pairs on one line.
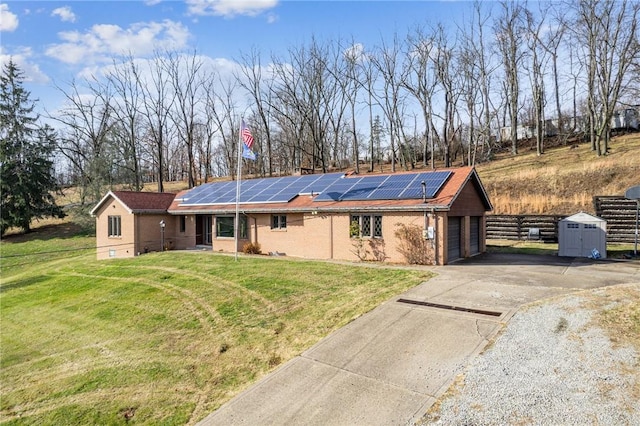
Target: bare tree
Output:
{"points": [[158, 100], [586, 33], [617, 23], [471, 93], [209, 127], [419, 79], [608, 33], [221, 114], [259, 88], [386, 60], [350, 83], [87, 121], [485, 69], [186, 80], [447, 77], [536, 74], [126, 109], [509, 28], [369, 73], [551, 43], [307, 104]]}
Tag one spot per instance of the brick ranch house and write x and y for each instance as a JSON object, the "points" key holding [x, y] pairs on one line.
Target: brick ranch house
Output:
{"points": [[327, 219]]}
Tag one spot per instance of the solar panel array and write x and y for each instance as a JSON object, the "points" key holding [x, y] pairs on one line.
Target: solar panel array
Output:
{"points": [[265, 190], [331, 187], [392, 187]]}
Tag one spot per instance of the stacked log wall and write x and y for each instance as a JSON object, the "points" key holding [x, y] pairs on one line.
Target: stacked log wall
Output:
{"points": [[620, 214]]}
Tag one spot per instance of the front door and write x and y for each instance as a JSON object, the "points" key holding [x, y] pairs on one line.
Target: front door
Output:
{"points": [[204, 230], [208, 230]]}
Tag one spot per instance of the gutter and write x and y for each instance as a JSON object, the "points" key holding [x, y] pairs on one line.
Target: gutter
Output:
{"points": [[150, 211], [318, 210]]}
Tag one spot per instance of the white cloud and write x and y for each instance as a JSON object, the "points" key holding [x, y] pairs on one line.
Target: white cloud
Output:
{"points": [[229, 8], [104, 41], [152, 2], [355, 53], [272, 18], [22, 58], [65, 13], [8, 20]]}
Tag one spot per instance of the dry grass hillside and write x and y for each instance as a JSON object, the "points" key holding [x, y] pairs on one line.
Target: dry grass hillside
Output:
{"points": [[564, 180]]}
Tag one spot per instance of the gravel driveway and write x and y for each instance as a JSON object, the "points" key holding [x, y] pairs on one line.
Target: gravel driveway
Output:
{"points": [[552, 364]]}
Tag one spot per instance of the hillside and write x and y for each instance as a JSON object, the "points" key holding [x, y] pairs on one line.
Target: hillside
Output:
{"points": [[563, 180]]}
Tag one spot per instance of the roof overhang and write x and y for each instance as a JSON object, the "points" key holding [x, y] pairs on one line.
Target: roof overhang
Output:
{"points": [[318, 210], [104, 200], [473, 176]]}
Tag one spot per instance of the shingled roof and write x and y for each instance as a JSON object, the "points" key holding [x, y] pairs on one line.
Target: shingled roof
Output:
{"points": [[140, 202]]}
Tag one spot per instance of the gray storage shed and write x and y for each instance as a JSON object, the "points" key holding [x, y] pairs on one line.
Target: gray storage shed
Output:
{"points": [[579, 235]]}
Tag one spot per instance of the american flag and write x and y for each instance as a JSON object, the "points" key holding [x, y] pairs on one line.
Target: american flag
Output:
{"points": [[246, 136]]}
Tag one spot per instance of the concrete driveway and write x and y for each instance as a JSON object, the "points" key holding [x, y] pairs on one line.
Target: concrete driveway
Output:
{"points": [[390, 365]]}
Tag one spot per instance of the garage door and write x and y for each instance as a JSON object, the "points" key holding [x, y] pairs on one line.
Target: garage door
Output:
{"points": [[474, 231], [453, 239]]}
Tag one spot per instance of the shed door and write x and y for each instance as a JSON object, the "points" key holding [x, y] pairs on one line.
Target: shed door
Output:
{"points": [[453, 239], [572, 240], [592, 239], [474, 235]]}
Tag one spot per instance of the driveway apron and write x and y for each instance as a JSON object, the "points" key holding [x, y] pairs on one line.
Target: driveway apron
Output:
{"points": [[390, 365]]}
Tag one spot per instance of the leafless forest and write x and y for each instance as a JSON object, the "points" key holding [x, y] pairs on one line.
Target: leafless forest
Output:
{"points": [[443, 93]]}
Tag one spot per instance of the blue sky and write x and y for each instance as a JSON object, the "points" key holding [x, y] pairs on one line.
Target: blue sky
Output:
{"points": [[54, 42]]}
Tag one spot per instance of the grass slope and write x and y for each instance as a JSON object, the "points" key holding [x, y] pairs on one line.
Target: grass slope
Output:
{"points": [[162, 338], [564, 180]]}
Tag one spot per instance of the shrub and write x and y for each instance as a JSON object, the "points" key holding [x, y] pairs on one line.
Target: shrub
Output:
{"points": [[251, 248], [413, 246]]}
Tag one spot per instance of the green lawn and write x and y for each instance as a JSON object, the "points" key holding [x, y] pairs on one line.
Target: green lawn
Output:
{"points": [[162, 338]]}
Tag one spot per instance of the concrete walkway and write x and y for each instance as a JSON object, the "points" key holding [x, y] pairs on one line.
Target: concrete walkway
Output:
{"points": [[390, 365]]}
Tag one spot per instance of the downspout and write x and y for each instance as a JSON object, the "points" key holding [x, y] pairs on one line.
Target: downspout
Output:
{"points": [[255, 230], [436, 233], [331, 237], [136, 235]]}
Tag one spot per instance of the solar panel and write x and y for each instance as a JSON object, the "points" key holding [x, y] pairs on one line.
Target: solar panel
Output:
{"points": [[434, 182], [305, 185], [391, 187], [330, 187], [270, 188]]}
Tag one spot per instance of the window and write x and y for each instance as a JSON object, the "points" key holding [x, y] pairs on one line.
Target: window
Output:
{"points": [[573, 225], [114, 226], [589, 226], [367, 226], [278, 222], [183, 224], [225, 227]]}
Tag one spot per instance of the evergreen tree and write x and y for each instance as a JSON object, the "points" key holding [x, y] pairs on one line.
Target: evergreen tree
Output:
{"points": [[26, 149]]}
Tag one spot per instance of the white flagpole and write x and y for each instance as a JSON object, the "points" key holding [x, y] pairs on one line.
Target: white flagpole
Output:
{"points": [[238, 177]]}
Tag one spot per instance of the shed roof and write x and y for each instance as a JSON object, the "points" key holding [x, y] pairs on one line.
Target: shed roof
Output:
{"points": [[139, 202], [583, 217]]}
